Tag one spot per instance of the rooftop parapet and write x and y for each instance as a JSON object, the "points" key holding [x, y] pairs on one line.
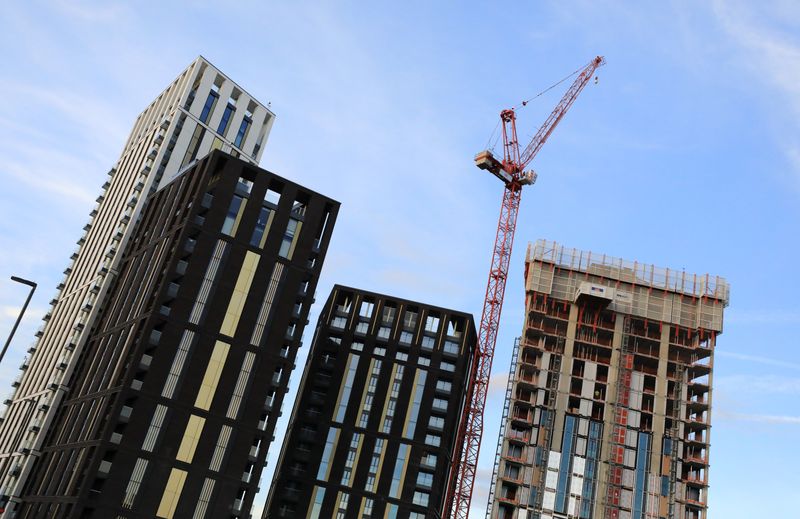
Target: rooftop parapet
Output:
{"points": [[704, 285]]}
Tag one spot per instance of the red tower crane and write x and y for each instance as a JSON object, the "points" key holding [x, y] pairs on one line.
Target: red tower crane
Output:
{"points": [[511, 171]]}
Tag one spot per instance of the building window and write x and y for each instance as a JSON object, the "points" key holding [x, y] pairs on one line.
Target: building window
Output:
{"points": [[444, 386], [194, 145], [427, 343], [424, 361], [379, 352], [421, 498], [341, 507], [357, 346], [432, 324], [424, 479], [290, 238], [447, 366], [419, 387], [362, 328], [399, 471], [211, 102], [434, 440], [262, 227], [429, 460], [384, 332], [330, 447], [410, 319], [401, 356], [451, 348], [230, 108], [388, 314], [374, 463], [391, 403], [439, 404], [406, 337], [436, 422], [338, 322], [316, 502], [352, 454], [233, 216], [366, 309], [244, 128], [347, 387], [372, 385]]}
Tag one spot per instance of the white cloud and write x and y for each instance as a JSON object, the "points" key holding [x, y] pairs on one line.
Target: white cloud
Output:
{"points": [[759, 418], [770, 54], [758, 359]]}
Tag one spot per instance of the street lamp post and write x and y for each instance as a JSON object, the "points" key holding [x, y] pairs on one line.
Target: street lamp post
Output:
{"points": [[21, 313]]}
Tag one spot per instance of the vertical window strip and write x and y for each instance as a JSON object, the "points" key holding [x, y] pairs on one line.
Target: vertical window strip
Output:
{"points": [[642, 458], [155, 428], [177, 364], [205, 498], [172, 494], [369, 392], [137, 476], [391, 402], [208, 281], [399, 471], [266, 306], [567, 446], [219, 449], [352, 459], [290, 238], [419, 387], [347, 387], [316, 499], [341, 504], [241, 383], [234, 215], [327, 454], [374, 465], [240, 291]]}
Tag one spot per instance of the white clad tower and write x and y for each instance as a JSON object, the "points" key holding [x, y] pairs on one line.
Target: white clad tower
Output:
{"points": [[201, 110]]}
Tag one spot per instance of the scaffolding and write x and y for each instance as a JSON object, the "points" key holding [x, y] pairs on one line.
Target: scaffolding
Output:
{"points": [[647, 291], [677, 409], [503, 423], [614, 484], [548, 422]]}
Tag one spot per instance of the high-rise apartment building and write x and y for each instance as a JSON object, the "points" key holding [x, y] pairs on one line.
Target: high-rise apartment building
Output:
{"points": [[199, 111], [177, 391], [374, 426], [609, 398]]}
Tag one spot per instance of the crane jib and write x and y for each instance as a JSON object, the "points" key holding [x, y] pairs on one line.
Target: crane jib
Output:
{"points": [[511, 171]]}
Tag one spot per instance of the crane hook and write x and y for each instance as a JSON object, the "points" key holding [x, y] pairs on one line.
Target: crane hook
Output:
{"points": [[596, 80]]}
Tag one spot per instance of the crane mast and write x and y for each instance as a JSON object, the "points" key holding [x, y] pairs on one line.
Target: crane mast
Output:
{"points": [[511, 171]]}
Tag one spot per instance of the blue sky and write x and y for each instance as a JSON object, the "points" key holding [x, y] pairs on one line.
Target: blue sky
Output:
{"points": [[686, 154]]}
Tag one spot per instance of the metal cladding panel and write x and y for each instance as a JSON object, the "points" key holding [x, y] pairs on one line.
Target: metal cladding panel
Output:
{"points": [[578, 465], [552, 479], [549, 501], [554, 460]]}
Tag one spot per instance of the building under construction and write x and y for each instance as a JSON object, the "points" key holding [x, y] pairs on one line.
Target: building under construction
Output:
{"points": [[607, 411]]}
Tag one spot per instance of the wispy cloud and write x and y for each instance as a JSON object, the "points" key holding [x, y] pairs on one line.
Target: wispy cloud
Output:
{"points": [[760, 317], [758, 359], [771, 55], [759, 418], [759, 384]]}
